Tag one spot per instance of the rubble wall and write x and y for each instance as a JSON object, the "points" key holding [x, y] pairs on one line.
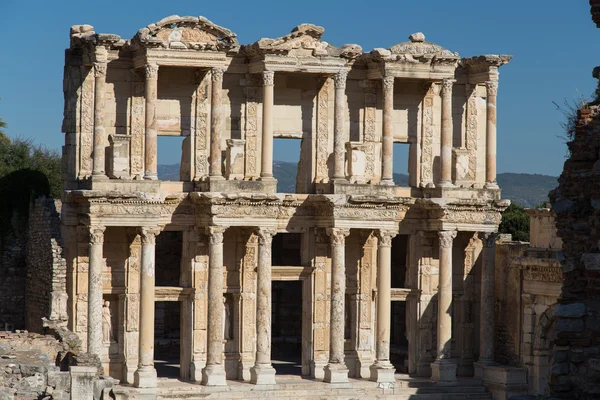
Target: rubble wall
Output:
{"points": [[575, 362]]}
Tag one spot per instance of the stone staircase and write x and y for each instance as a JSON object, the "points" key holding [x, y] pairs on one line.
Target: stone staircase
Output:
{"points": [[406, 388]]}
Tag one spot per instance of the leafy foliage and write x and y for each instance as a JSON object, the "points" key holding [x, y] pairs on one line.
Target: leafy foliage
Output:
{"points": [[516, 222]]}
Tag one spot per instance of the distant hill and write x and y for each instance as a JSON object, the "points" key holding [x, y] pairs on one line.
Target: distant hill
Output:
{"points": [[527, 190]]}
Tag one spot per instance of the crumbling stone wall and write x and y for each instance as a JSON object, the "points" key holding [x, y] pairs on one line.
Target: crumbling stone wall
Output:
{"points": [[46, 291], [575, 363]]}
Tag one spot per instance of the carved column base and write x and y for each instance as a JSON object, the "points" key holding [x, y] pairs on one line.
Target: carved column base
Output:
{"points": [[383, 373], [150, 177], [214, 375], [317, 369], [267, 178], [99, 177], [491, 185], [387, 182], [244, 368], [145, 377], [479, 367], [262, 375], [444, 372], [444, 184], [424, 367], [196, 370], [336, 373]]}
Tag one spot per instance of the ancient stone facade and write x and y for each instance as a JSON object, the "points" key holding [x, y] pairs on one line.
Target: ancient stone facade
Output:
{"points": [[185, 76]]}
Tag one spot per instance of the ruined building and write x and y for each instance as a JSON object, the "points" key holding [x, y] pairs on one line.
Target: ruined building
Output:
{"points": [[376, 269]]}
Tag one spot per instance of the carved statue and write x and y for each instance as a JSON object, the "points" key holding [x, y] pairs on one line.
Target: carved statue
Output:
{"points": [[226, 319], [107, 331]]}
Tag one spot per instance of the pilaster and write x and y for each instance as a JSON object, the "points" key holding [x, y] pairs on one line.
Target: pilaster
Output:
{"points": [[387, 148], [151, 136], [490, 148], [446, 134], [94, 296], [100, 139], [216, 123], [267, 126], [339, 126]]}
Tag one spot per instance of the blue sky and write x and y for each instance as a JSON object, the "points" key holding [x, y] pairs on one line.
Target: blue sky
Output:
{"points": [[554, 44]]}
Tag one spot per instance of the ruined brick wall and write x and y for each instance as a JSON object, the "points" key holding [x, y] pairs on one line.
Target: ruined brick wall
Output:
{"points": [[13, 274], [575, 363], [46, 268]]}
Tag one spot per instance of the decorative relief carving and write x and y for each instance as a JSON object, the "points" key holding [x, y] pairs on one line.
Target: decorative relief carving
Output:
{"points": [[215, 234], [542, 273], [251, 127], [340, 79], [473, 216], [265, 236], [216, 75], [100, 69], [385, 237], [447, 85], [337, 235], [427, 139], [388, 83], [151, 71], [139, 209], [202, 128], [322, 173], [138, 125], [268, 78], [97, 234], [492, 88], [446, 238], [321, 236], [239, 210], [87, 126], [370, 110], [489, 239], [471, 134], [149, 233]]}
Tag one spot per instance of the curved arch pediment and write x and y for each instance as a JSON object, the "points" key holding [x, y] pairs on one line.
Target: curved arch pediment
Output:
{"points": [[188, 32]]}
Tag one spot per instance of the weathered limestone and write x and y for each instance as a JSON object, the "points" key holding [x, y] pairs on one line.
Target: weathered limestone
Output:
{"points": [[336, 371], [216, 124], [446, 134], [94, 314], [443, 369], [382, 371], [339, 130], [387, 141], [214, 373], [263, 372], [151, 135], [145, 375], [267, 126], [490, 149], [100, 138]]}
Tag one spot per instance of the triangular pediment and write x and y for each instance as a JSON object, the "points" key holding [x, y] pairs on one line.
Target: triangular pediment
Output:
{"points": [[188, 32]]}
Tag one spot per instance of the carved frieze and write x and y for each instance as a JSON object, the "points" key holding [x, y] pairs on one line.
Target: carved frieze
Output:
{"points": [[87, 125], [202, 128], [322, 150], [542, 273], [427, 138], [251, 127], [471, 131], [138, 105]]}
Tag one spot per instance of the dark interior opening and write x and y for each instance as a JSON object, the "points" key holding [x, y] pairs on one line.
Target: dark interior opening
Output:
{"points": [[399, 253], [287, 249], [398, 340], [167, 338], [168, 258], [286, 327]]}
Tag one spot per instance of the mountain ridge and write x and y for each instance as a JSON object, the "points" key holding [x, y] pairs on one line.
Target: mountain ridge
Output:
{"points": [[526, 190]]}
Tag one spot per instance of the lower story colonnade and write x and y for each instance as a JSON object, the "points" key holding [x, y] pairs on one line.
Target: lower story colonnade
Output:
{"points": [[223, 280]]}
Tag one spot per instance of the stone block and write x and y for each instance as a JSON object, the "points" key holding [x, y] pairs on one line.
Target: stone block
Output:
{"points": [[570, 325], [591, 261], [574, 310], [444, 372], [336, 374], [82, 382], [262, 375], [59, 380]]}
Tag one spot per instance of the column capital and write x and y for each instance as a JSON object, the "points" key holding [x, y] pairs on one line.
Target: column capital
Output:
{"points": [[148, 233], [388, 82], [337, 235], [100, 69], [491, 87], [488, 238], [268, 78], [215, 234], [385, 237], [447, 85], [265, 235], [339, 79], [96, 234], [446, 238], [152, 71], [216, 75]]}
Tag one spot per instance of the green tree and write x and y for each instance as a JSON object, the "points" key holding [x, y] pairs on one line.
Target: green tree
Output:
{"points": [[516, 222]]}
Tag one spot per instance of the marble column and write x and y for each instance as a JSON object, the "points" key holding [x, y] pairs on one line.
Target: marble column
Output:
{"points": [[96, 265], [486, 313], [100, 140], [151, 135], [263, 373], [382, 371], [446, 134], [214, 372], [490, 148], [336, 370], [216, 123], [145, 375], [339, 127], [387, 141], [443, 369], [266, 171]]}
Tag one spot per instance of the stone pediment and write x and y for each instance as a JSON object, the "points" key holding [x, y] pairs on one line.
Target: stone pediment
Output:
{"points": [[416, 50], [303, 41], [196, 33]]}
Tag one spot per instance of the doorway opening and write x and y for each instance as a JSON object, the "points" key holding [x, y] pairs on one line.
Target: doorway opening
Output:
{"points": [[286, 327], [167, 344], [173, 158], [286, 163], [169, 245], [398, 340], [287, 249], [399, 256]]}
